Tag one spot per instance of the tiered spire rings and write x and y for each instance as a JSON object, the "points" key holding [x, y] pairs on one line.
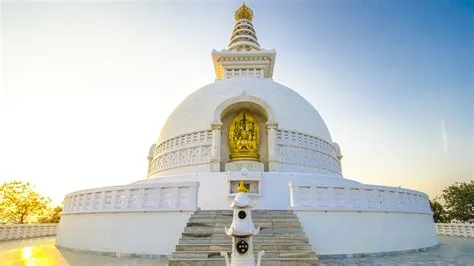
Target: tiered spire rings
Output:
{"points": [[243, 56], [243, 36]]}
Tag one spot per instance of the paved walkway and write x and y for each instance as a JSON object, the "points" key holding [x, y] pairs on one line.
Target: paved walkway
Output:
{"points": [[42, 252]]}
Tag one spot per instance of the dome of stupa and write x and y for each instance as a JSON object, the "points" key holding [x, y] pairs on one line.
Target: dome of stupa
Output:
{"points": [[290, 110]]}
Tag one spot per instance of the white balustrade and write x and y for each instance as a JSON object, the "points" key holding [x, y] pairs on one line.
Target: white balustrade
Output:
{"points": [[134, 198], [296, 149], [182, 151], [19, 231], [357, 198], [453, 229]]}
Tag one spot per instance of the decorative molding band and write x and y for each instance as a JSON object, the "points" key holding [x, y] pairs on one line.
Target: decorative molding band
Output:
{"points": [[198, 138], [307, 157], [323, 197], [179, 158], [133, 198], [298, 139]]}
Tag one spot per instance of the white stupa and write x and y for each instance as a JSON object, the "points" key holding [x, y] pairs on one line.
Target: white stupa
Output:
{"points": [[245, 126]]}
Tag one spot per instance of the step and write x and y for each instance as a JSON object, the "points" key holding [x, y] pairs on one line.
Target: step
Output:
{"points": [[256, 240], [265, 262], [221, 229], [257, 246], [254, 210], [257, 224], [281, 236], [276, 254], [254, 215], [255, 219], [209, 234]]}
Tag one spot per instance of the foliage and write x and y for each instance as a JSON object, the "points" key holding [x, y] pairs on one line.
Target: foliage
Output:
{"points": [[459, 201], [439, 213], [20, 204], [52, 215]]}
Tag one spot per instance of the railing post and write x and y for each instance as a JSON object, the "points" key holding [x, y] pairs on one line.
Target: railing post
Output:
{"points": [[292, 195]]}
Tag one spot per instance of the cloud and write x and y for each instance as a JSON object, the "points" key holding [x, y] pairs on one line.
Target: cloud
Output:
{"points": [[444, 136]]}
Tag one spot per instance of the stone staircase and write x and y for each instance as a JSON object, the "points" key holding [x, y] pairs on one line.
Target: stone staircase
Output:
{"points": [[281, 236]]}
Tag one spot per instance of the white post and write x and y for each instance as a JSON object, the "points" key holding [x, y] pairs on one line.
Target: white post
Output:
{"points": [[216, 146], [273, 161], [292, 194]]}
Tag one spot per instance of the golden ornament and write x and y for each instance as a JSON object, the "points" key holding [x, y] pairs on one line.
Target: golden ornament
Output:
{"points": [[244, 12], [244, 138]]}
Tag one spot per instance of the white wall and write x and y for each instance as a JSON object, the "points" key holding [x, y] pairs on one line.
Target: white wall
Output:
{"points": [[333, 232], [135, 232], [339, 216], [137, 218]]}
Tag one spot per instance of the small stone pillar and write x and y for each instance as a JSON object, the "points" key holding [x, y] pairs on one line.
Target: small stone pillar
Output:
{"points": [[150, 157], [216, 147], [273, 160], [338, 155], [242, 231]]}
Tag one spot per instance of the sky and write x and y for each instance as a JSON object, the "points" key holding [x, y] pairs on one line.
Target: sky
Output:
{"points": [[87, 85]]}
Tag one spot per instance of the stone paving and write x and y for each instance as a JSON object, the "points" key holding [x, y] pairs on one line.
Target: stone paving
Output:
{"points": [[42, 252]]}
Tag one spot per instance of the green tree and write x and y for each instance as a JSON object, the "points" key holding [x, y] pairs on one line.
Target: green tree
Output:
{"points": [[20, 204], [52, 216], [459, 201], [439, 213]]}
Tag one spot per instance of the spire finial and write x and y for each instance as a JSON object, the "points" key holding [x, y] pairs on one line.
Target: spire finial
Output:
{"points": [[244, 12]]}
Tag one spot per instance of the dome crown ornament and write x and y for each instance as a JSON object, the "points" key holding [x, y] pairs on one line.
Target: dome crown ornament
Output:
{"points": [[244, 12]]}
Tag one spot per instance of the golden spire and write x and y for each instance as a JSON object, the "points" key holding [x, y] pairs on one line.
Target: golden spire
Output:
{"points": [[242, 187], [244, 12]]}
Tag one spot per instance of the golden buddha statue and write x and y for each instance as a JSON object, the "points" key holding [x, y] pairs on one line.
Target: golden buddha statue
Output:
{"points": [[244, 138]]}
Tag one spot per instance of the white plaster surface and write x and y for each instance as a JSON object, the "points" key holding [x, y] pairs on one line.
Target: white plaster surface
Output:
{"points": [[240, 165], [140, 233], [333, 233], [148, 217], [339, 216], [291, 110]]}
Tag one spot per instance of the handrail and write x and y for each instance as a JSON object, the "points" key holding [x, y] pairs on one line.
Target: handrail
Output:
{"points": [[357, 197], [19, 231], [453, 229], [134, 198]]}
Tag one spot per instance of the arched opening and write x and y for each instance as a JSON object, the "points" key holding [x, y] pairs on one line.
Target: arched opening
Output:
{"points": [[260, 115]]}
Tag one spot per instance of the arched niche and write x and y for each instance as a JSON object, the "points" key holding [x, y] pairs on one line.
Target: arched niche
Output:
{"points": [[226, 112], [244, 98]]}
